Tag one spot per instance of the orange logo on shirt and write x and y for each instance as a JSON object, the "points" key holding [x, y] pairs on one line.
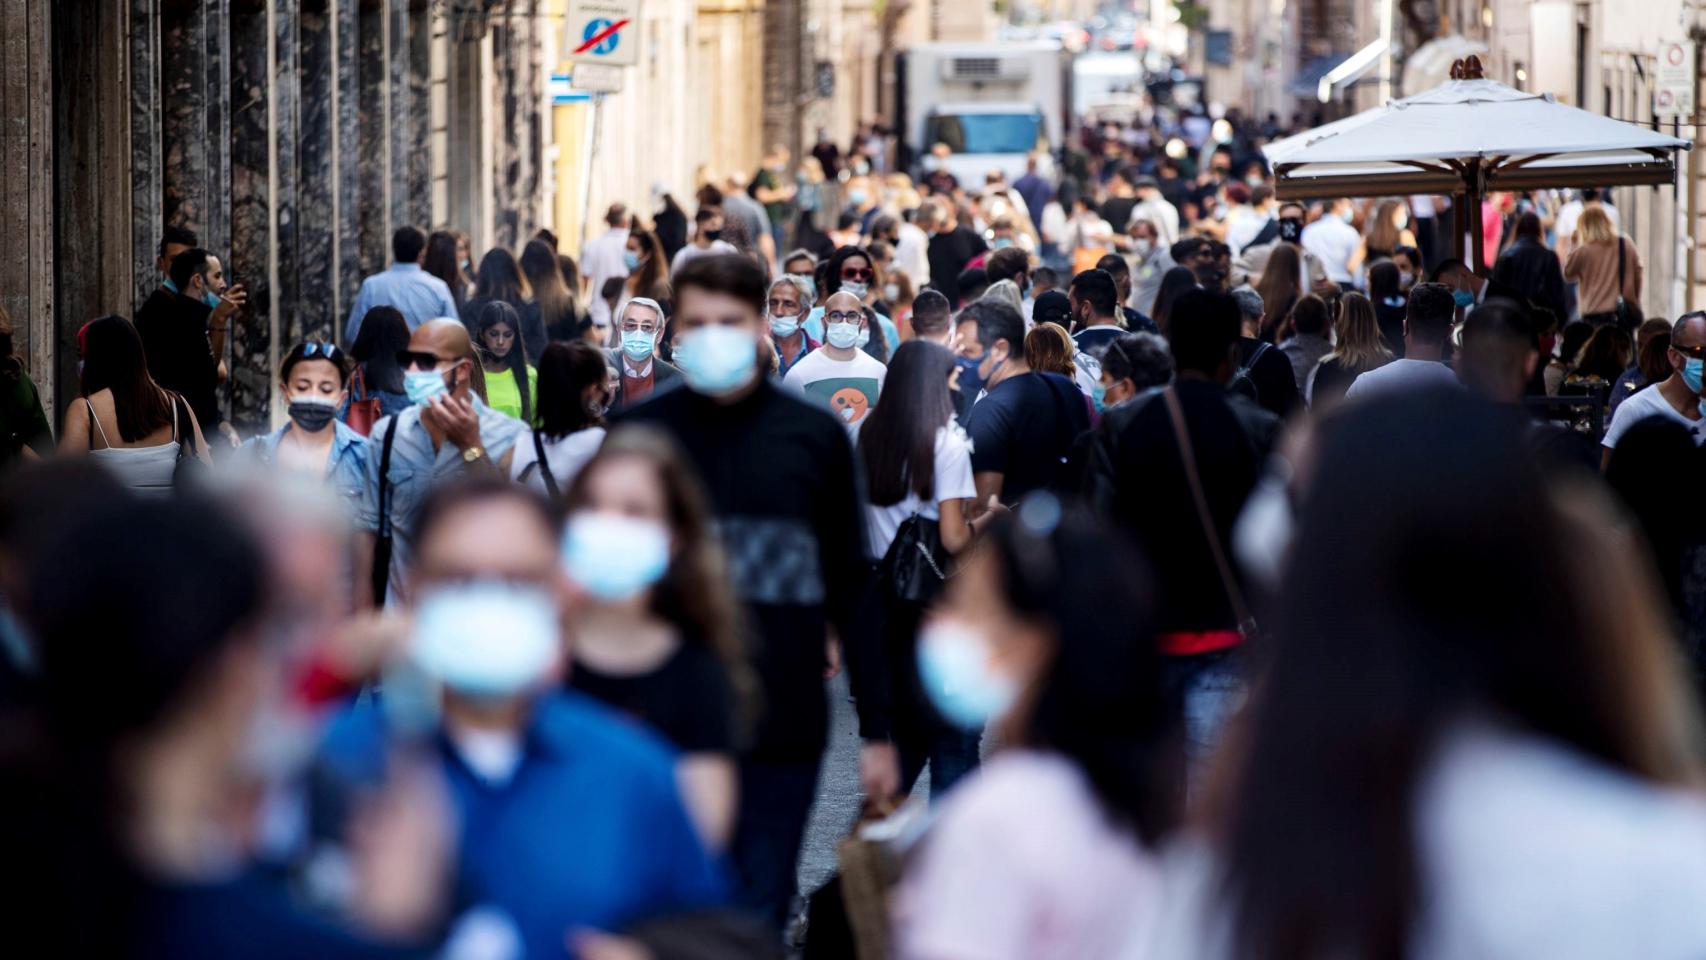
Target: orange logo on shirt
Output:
{"points": [[849, 404]]}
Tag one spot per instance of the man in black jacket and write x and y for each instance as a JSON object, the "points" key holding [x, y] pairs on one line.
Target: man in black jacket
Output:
{"points": [[183, 332], [782, 481], [952, 246]]}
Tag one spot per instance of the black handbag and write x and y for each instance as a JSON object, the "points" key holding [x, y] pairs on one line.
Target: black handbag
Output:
{"points": [[915, 567], [186, 470]]}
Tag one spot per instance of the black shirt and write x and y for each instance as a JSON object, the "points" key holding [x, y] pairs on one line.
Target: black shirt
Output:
{"points": [[1269, 380], [1117, 211], [949, 254], [1390, 317], [1093, 340], [1332, 378], [1136, 478], [1024, 430], [780, 476], [686, 699], [173, 329]]}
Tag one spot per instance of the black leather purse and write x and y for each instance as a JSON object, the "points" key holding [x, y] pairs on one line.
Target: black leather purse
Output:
{"points": [[915, 567]]}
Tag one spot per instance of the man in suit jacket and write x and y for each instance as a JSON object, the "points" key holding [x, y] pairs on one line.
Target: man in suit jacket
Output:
{"points": [[642, 371]]}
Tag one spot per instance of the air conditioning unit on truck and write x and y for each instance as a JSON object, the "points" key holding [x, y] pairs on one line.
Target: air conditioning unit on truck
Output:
{"points": [[991, 103]]}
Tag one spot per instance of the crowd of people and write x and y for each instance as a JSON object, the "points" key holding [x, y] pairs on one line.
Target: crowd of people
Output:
{"points": [[1250, 578]]}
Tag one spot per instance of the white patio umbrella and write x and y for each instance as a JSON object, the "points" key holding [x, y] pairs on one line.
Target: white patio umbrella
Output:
{"points": [[1466, 137]]}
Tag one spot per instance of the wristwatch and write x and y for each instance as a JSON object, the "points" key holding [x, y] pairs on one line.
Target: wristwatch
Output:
{"points": [[472, 454]]}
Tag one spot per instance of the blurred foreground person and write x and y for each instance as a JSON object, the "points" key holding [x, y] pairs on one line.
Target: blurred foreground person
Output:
{"points": [[1047, 851], [126, 797], [655, 636], [1429, 770], [569, 817]]}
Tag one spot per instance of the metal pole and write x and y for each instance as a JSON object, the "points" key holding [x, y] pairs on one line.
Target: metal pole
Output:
{"points": [[1477, 236], [1693, 187], [586, 168]]}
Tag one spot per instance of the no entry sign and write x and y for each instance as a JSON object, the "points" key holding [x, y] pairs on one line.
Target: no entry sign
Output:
{"points": [[602, 31]]}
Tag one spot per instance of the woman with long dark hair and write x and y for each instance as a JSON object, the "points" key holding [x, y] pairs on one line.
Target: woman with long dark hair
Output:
{"points": [[511, 382], [1049, 851], [1280, 287], [126, 422], [917, 464], [384, 334], [558, 313], [1390, 303], [574, 393], [1428, 769], [648, 267], [444, 261], [656, 634], [1174, 283], [500, 279]]}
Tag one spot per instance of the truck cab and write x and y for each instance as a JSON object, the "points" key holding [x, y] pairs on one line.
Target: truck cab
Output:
{"points": [[992, 104]]}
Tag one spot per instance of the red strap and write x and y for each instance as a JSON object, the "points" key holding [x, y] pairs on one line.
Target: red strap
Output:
{"points": [[1185, 643]]}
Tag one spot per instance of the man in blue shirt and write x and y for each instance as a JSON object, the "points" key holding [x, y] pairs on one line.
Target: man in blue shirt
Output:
{"points": [[569, 817], [447, 431], [418, 295]]}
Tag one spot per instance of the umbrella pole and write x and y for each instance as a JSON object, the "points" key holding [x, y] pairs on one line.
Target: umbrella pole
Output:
{"points": [[1459, 226], [1477, 236]]}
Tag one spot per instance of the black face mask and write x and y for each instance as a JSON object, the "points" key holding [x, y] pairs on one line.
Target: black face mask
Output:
{"points": [[712, 235], [311, 416], [1290, 229]]}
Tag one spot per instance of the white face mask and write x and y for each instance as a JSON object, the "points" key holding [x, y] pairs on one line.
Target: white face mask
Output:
{"points": [[842, 335]]}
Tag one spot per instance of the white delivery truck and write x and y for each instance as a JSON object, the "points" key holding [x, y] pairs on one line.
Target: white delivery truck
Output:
{"points": [[991, 103]]}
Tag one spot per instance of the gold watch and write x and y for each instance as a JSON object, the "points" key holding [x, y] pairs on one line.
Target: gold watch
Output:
{"points": [[472, 454]]}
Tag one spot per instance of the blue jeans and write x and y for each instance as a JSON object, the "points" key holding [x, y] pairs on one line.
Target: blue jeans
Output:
{"points": [[1208, 687], [775, 800], [951, 753]]}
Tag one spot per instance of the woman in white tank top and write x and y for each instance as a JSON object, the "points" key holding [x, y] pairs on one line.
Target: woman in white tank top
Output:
{"points": [[124, 420]]}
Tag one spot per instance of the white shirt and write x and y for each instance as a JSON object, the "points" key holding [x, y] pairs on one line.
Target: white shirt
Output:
{"points": [[1569, 213], [602, 259], [912, 254], [565, 455], [1158, 211], [1334, 241], [1245, 229], [1403, 375], [1644, 403], [848, 387], [953, 481], [690, 253]]}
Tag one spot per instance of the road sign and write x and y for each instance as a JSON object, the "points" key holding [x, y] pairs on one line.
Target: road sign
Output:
{"points": [[1673, 81], [597, 78], [602, 31]]}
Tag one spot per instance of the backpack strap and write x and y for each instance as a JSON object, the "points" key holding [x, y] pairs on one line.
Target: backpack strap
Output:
{"points": [[382, 573], [544, 467]]}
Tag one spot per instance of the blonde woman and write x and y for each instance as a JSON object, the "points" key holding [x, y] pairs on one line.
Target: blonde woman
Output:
{"points": [[1593, 265], [1358, 350]]}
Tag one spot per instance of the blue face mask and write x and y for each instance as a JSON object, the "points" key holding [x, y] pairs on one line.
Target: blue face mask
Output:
{"points": [[784, 327], [422, 385], [631, 260], [169, 285], [614, 557], [210, 298], [953, 666], [1463, 298], [486, 639], [970, 380], [717, 359], [856, 197], [1692, 369], [637, 345], [1099, 396]]}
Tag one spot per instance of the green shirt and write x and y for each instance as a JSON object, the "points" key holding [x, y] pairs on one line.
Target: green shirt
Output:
{"points": [[22, 422], [503, 396]]}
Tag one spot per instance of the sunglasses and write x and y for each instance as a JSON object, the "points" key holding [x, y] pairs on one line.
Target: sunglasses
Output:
{"points": [[315, 348], [418, 360], [857, 273], [1695, 352]]}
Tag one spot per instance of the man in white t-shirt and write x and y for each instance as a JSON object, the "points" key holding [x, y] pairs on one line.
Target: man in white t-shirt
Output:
{"points": [[839, 373], [1677, 396], [1427, 324], [1335, 241], [707, 239], [602, 257]]}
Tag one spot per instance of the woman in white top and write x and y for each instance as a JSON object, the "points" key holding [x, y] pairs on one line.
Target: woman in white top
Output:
{"points": [[125, 421], [1047, 853], [1469, 738], [574, 393], [917, 462]]}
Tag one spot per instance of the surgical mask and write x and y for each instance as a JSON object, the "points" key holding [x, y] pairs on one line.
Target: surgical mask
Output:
{"points": [[717, 359], [1406, 279], [210, 298], [891, 292], [312, 413], [953, 666], [864, 337], [1002, 243], [467, 265], [1142, 247], [637, 344], [1252, 181], [1462, 298], [631, 260], [784, 327], [856, 197], [971, 382], [1348, 215], [1099, 396], [169, 285], [1403, 220], [486, 639], [1691, 373], [423, 385], [857, 288], [614, 557], [842, 335]]}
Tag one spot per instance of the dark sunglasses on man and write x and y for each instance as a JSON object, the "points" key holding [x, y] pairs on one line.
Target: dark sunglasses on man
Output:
{"points": [[1696, 351], [419, 360]]}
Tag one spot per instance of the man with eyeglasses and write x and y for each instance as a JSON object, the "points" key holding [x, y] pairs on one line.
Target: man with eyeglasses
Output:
{"points": [[1677, 396], [643, 371], [445, 431], [840, 374]]}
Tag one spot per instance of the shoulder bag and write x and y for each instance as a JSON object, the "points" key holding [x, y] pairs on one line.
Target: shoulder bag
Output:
{"points": [[1626, 313], [364, 410], [187, 466], [915, 568], [381, 572], [543, 467], [1187, 456]]}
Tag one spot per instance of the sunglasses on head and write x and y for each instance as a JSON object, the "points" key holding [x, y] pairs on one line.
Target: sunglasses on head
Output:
{"points": [[315, 348], [857, 273], [418, 360]]}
